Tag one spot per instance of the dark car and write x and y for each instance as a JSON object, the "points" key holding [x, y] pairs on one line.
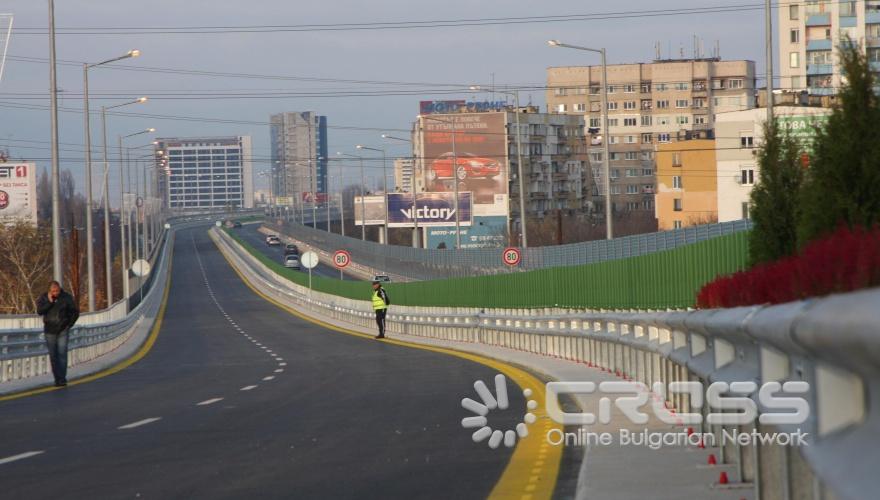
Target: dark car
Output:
{"points": [[291, 249], [236, 224]]}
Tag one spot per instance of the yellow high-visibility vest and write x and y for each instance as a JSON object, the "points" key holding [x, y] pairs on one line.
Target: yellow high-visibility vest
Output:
{"points": [[378, 302]]}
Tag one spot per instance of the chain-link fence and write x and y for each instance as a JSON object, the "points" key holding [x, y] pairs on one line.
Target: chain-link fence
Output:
{"points": [[424, 264]]}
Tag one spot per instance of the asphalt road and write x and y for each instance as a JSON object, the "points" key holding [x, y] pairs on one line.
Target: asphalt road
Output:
{"points": [[251, 234], [257, 405]]}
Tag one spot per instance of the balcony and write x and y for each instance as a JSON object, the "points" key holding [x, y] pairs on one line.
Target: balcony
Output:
{"points": [[821, 91], [820, 69], [875, 65], [824, 44], [539, 195], [849, 22], [819, 19], [872, 16]]}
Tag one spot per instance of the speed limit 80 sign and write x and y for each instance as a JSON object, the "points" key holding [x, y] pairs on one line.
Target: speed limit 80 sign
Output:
{"points": [[511, 256], [341, 259]]}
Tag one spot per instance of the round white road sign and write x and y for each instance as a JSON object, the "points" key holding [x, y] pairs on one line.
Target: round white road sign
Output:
{"points": [[309, 260], [140, 268]]}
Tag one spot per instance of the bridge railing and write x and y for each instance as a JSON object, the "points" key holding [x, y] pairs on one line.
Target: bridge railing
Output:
{"points": [[832, 344], [22, 345]]}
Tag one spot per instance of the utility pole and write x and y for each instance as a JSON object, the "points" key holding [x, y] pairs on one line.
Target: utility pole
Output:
{"points": [[768, 35], [57, 271]]}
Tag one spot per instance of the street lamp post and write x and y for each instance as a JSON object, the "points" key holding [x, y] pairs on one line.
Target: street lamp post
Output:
{"points": [[108, 260], [90, 261], [519, 161], [454, 178], [57, 271], [609, 233], [415, 239], [384, 182], [363, 194], [124, 218]]}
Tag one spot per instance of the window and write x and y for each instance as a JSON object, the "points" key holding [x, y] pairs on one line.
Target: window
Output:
{"points": [[595, 106], [581, 91], [794, 59], [560, 91], [629, 122], [629, 105], [847, 9], [594, 90], [647, 139], [632, 189], [874, 55], [596, 156], [676, 159], [560, 108], [681, 103], [676, 205], [682, 120], [615, 189], [615, 173], [662, 137], [580, 107], [872, 30], [681, 86], [612, 106], [662, 120], [647, 156], [745, 210], [699, 102], [647, 172], [631, 155], [629, 89], [676, 182], [717, 84], [664, 104], [794, 36], [735, 83], [614, 140], [646, 87], [793, 12], [746, 141], [630, 139], [647, 104], [646, 120], [660, 87], [611, 89], [796, 82], [747, 176], [700, 85], [594, 123], [819, 57], [699, 119], [612, 122], [676, 224]]}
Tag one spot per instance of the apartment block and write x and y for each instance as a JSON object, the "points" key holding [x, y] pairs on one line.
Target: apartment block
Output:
{"points": [[298, 154], [687, 188], [810, 33], [207, 172], [649, 104], [403, 174]]}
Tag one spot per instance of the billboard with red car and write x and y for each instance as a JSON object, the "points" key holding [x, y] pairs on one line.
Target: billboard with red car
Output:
{"points": [[477, 163]]}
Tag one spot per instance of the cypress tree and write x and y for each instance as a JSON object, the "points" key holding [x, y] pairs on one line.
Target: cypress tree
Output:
{"points": [[842, 184], [774, 200]]}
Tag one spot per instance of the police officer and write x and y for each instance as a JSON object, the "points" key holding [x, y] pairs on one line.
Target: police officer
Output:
{"points": [[380, 305]]}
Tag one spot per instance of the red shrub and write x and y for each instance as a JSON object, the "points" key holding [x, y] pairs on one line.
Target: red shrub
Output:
{"points": [[846, 260]]}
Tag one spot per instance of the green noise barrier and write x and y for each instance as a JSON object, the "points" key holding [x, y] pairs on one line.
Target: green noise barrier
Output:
{"points": [[660, 280]]}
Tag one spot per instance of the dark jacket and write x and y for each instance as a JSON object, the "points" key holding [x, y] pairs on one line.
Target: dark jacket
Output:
{"points": [[383, 295], [59, 315]]}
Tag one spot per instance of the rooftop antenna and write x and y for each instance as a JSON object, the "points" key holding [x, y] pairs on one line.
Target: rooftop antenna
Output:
{"points": [[657, 50], [717, 49], [696, 47]]}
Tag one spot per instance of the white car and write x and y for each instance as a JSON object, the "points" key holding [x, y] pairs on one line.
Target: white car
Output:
{"points": [[273, 240], [292, 261]]}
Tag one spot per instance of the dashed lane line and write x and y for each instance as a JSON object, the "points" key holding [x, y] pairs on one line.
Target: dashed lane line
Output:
{"points": [[20, 456], [139, 423]]}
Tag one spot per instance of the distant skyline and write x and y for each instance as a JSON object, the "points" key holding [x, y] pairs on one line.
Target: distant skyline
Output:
{"points": [[512, 54]]}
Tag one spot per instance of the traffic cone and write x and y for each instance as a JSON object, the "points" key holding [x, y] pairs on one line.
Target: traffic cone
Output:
{"points": [[712, 460], [722, 479]]}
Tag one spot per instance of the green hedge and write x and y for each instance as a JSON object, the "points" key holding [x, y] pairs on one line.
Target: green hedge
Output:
{"points": [[668, 279]]}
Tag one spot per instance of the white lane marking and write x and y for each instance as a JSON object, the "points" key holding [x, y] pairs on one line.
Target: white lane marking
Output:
{"points": [[209, 402], [279, 359], [270, 377], [248, 387], [269, 350], [139, 423], [282, 364], [279, 370], [20, 456]]}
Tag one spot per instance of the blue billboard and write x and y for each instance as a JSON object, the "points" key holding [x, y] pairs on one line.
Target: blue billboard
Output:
{"points": [[485, 232], [431, 209]]}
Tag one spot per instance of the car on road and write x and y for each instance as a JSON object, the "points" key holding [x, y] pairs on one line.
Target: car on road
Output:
{"points": [[290, 248], [467, 166], [273, 240], [382, 278], [291, 261], [236, 224]]}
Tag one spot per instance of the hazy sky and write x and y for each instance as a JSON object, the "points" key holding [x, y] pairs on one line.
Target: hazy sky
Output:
{"points": [[517, 54]]}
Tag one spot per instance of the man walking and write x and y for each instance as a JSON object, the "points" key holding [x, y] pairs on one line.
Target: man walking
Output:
{"points": [[59, 312], [380, 305]]}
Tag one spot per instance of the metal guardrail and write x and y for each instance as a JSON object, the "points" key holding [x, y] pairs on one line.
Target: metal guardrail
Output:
{"points": [[833, 344], [22, 345], [425, 264]]}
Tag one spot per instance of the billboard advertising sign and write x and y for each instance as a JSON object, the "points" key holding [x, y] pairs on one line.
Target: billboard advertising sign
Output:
{"points": [[18, 193], [375, 208], [309, 197], [483, 232], [460, 106], [432, 209], [802, 127], [477, 163]]}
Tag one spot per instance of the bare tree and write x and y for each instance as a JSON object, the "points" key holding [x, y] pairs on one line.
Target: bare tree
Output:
{"points": [[25, 266]]}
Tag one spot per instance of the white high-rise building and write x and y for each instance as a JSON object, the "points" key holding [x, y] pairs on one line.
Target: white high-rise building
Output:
{"points": [[207, 172]]}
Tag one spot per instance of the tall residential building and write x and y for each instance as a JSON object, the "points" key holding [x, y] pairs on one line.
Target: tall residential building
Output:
{"points": [[686, 184], [403, 175], [811, 31], [299, 154], [207, 172], [739, 134], [649, 104]]}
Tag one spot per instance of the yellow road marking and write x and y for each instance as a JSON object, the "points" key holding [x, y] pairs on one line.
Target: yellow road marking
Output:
{"points": [[528, 454], [122, 365]]}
